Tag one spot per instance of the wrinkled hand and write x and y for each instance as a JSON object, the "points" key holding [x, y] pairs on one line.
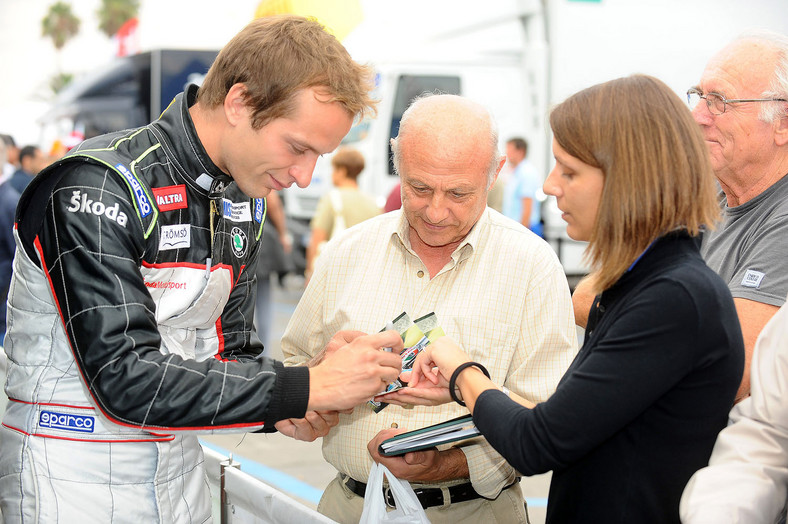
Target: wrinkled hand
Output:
{"points": [[339, 340], [425, 394], [427, 465], [315, 424], [358, 371]]}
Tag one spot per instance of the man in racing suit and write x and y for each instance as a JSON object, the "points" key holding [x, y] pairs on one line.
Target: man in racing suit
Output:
{"points": [[131, 305]]}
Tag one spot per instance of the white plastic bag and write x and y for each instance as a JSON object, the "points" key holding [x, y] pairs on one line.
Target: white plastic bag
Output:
{"points": [[408, 511]]}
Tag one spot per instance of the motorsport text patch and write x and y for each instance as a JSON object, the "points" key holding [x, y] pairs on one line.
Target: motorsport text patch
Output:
{"points": [[170, 197], [80, 423], [236, 211]]}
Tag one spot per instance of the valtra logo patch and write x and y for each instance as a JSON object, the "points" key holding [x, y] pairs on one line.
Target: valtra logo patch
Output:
{"points": [[240, 243], [170, 198]]}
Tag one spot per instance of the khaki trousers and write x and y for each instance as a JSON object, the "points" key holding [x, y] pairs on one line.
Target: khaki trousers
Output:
{"points": [[344, 506]]}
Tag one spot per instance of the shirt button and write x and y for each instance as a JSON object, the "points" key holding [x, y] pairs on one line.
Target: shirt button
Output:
{"points": [[420, 273], [394, 425]]}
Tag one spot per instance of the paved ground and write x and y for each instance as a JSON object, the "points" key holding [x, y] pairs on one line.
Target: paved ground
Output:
{"points": [[298, 468]]}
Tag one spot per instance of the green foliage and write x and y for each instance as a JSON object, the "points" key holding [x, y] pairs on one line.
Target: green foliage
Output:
{"points": [[114, 13], [60, 24], [59, 81]]}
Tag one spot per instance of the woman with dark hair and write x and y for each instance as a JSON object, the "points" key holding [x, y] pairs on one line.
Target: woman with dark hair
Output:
{"points": [[639, 409]]}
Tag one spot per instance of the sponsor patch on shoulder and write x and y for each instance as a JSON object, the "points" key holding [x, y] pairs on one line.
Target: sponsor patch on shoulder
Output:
{"points": [[177, 236], [82, 203], [143, 204], [65, 421], [752, 278], [170, 198]]}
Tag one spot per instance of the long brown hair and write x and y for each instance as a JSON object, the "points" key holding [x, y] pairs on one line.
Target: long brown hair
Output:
{"points": [[658, 177], [276, 57]]}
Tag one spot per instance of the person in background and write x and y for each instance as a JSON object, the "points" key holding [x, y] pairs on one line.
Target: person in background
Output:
{"points": [[741, 106], [131, 303], [3, 156], [637, 412], [520, 200], [394, 199], [277, 244], [747, 476], [12, 157], [496, 193], [342, 207], [31, 161], [430, 257]]}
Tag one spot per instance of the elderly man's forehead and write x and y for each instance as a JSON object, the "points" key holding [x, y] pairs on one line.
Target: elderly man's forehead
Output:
{"points": [[745, 59]]}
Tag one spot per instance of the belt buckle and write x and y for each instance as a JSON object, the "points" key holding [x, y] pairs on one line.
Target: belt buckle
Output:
{"points": [[389, 498]]}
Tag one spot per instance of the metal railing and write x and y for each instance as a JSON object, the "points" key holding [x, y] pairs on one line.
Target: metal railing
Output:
{"points": [[241, 498]]}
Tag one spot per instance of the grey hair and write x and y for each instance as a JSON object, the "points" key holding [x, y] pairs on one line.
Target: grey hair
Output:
{"points": [[778, 87], [495, 154]]}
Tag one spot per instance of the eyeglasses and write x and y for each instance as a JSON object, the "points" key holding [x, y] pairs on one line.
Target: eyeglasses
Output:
{"points": [[718, 103]]}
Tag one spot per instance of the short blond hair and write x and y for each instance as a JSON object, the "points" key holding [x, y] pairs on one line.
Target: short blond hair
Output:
{"points": [[658, 177], [278, 56]]}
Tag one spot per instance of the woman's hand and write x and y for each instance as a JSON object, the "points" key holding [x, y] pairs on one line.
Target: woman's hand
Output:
{"points": [[437, 362]]}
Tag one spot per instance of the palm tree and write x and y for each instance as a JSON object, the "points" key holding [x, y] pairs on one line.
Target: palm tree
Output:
{"points": [[113, 13], [60, 24]]}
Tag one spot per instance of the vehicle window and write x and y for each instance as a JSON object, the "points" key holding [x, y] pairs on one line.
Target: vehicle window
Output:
{"points": [[411, 86]]}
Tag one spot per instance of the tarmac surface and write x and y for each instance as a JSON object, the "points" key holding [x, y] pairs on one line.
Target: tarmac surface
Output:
{"points": [[297, 468]]}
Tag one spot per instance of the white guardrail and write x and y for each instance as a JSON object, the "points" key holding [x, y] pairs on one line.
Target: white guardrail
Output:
{"points": [[241, 498]]}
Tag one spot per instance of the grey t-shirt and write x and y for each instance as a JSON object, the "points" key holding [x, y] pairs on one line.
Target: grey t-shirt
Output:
{"points": [[749, 248]]}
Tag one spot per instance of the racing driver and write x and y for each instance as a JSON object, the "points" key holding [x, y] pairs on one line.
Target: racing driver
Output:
{"points": [[131, 306]]}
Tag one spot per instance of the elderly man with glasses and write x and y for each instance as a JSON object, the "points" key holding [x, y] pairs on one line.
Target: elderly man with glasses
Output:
{"points": [[745, 122], [744, 119]]}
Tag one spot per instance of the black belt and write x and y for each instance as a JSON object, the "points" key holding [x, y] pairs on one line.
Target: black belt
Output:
{"points": [[429, 497]]}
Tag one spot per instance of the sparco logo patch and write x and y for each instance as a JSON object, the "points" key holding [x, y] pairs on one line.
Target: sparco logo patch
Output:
{"points": [[80, 423], [143, 203], [239, 241], [175, 237], [170, 197], [752, 278], [80, 203], [236, 211], [259, 210]]}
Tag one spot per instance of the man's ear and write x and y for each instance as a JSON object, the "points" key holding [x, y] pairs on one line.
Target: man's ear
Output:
{"points": [[781, 130], [235, 108], [501, 162]]}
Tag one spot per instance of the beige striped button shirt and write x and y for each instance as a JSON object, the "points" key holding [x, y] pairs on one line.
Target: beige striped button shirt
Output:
{"points": [[503, 297]]}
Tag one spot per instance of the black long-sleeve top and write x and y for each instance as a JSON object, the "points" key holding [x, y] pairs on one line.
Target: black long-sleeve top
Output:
{"points": [[640, 407]]}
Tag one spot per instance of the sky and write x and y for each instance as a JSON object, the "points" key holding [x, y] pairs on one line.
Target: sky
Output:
{"points": [[593, 40]]}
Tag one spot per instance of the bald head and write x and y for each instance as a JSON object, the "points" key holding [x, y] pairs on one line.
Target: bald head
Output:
{"points": [[450, 127], [760, 59], [748, 142]]}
